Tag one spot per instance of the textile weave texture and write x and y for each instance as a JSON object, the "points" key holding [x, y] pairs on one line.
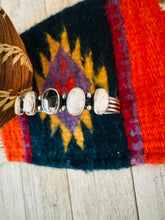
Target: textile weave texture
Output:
{"points": [[115, 45]]}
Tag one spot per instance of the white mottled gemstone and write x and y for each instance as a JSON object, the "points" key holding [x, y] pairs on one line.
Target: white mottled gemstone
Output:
{"points": [[101, 101], [18, 106], [75, 102], [30, 106]]}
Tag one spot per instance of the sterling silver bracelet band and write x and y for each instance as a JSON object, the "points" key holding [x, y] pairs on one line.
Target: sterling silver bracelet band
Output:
{"points": [[51, 102]]}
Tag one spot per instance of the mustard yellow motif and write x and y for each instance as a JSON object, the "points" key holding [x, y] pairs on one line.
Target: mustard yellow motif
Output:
{"points": [[100, 80]]}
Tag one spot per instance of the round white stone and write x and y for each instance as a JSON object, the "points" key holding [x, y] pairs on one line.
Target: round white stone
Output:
{"points": [[30, 106], [75, 102], [50, 101], [101, 101], [18, 106]]}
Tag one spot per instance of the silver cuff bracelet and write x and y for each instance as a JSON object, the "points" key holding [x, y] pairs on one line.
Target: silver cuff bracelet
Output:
{"points": [[51, 102]]}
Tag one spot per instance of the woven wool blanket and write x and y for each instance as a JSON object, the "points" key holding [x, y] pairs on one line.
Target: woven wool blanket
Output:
{"points": [[116, 45]]}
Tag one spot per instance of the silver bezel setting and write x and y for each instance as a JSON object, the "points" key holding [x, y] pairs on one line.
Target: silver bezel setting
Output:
{"points": [[75, 108], [17, 105], [52, 111], [101, 101], [30, 103]]}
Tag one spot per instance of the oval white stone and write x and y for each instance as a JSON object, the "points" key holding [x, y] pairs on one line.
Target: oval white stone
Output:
{"points": [[30, 103], [75, 102], [101, 101], [18, 106]]}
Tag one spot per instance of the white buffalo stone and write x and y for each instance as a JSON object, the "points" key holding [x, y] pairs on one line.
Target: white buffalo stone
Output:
{"points": [[75, 102], [18, 107], [101, 101], [30, 106]]}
